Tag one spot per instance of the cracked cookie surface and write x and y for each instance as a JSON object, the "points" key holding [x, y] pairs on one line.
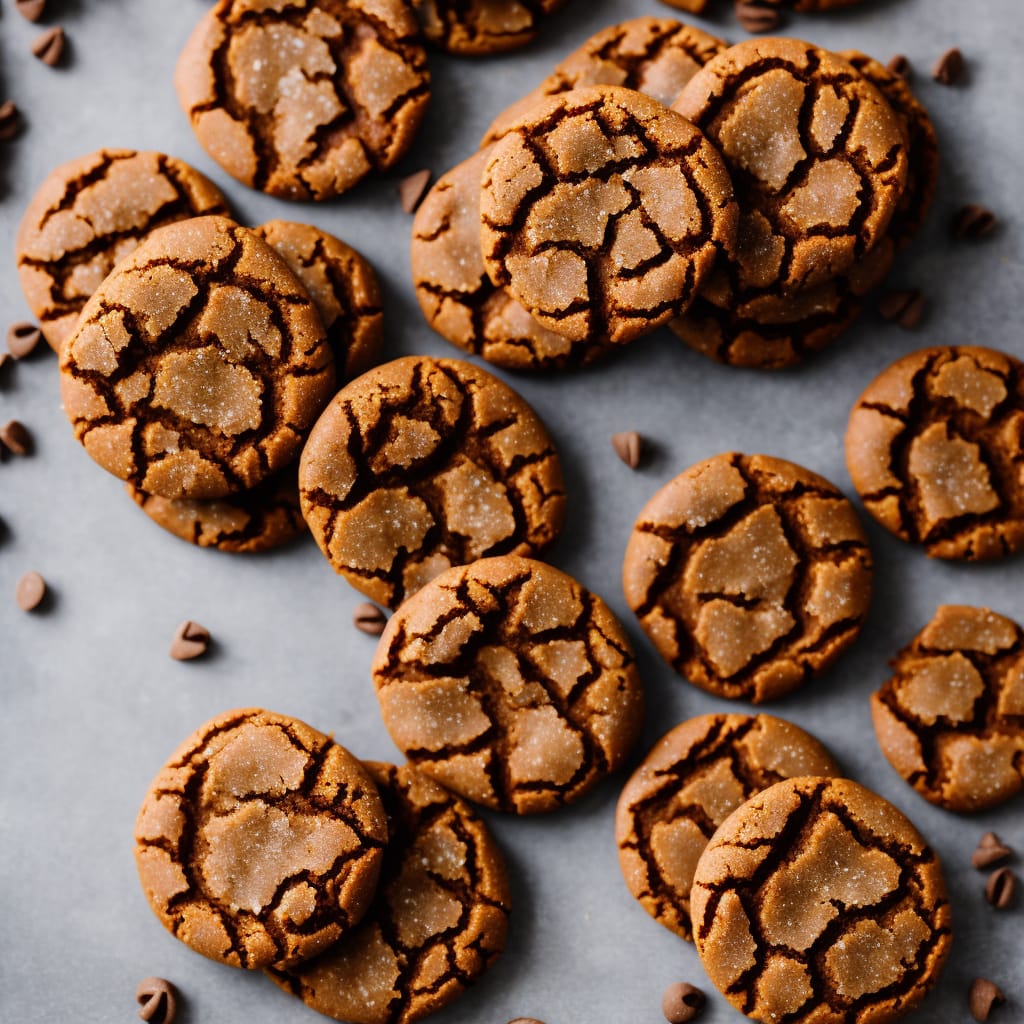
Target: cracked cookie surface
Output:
{"points": [[951, 718], [935, 448], [817, 902], [246, 781], [479, 27], [303, 98], [439, 919], [88, 215], [692, 779], [422, 464], [749, 574], [199, 365], [510, 684], [601, 213]]}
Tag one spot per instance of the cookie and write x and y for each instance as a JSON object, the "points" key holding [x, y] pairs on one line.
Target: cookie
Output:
{"points": [[260, 842], [749, 574], [934, 447], [601, 213], [198, 365], [90, 214], [950, 718], [439, 919], [480, 27], [693, 6], [422, 464], [693, 778], [343, 288], [818, 901], [655, 56], [509, 683], [303, 98]]}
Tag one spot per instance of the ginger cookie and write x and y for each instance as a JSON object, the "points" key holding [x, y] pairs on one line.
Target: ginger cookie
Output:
{"points": [[260, 842], [934, 447], [439, 919], [90, 214], [303, 98], [693, 778], [198, 365], [509, 683], [818, 901], [602, 211], [480, 27], [422, 464], [343, 288], [950, 718], [655, 56], [749, 574]]}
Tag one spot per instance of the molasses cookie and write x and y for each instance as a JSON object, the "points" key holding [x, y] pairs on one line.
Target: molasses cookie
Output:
{"points": [[481, 27], [260, 841], [689, 783], [749, 574], [602, 211], [950, 718], [422, 464], [90, 214], [198, 365], [303, 98], [509, 683], [439, 919], [817, 902], [934, 447]]}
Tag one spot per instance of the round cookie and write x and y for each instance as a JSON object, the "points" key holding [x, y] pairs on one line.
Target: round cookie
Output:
{"points": [[655, 56], [253, 780], [422, 464], [438, 922], [303, 98], [934, 447], [509, 683], [198, 365], [692, 779], [88, 215], [343, 288], [481, 27], [950, 718], [602, 211], [817, 902], [749, 574]]}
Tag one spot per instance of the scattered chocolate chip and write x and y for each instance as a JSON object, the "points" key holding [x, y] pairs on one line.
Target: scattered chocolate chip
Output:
{"points": [[412, 189], [899, 65], [30, 9], [14, 436], [369, 619], [990, 853], [30, 591], [629, 446], [1001, 888], [190, 641], [984, 997], [904, 307], [10, 120], [22, 339], [682, 1002], [49, 47], [757, 15], [973, 222], [950, 67], [156, 997]]}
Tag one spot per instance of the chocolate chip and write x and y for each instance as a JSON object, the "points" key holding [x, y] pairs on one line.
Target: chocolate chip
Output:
{"points": [[412, 189], [22, 338], [369, 619], [682, 1002], [49, 47], [983, 998], [30, 591], [1001, 888], [950, 67], [190, 641], [899, 65], [10, 120], [30, 9], [904, 307], [156, 997], [973, 222], [14, 436], [757, 15], [629, 446], [990, 853], [5, 358]]}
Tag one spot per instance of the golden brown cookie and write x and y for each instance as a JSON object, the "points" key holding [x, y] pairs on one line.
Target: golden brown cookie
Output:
{"points": [[817, 902], [303, 98], [475, 28], [692, 779], [198, 365], [951, 718], [260, 842], [749, 574], [602, 211], [509, 683], [343, 288], [439, 919], [934, 447], [90, 214]]}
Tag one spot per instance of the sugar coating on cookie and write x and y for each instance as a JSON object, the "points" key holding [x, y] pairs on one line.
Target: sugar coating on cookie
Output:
{"points": [[88, 215], [749, 574], [934, 447], [509, 683], [199, 365], [303, 98], [817, 902], [422, 464], [950, 718], [691, 780], [260, 841], [438, 922], [479, 27]]}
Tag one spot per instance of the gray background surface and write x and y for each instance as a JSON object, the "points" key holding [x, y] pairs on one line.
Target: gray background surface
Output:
{"points": [[92, 705]]}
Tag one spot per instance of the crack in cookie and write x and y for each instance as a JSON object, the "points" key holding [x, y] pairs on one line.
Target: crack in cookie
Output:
{"points": [[473, 28]]}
